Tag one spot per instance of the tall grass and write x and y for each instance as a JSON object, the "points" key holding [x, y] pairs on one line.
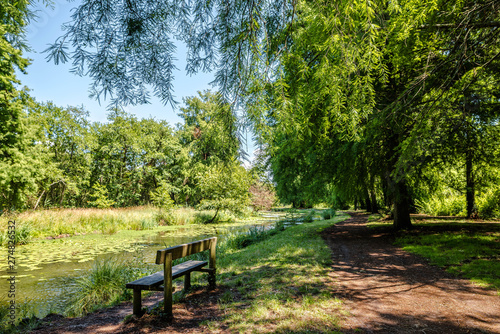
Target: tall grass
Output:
{"points": [[104, 285], [24, 319], [44, 223], [56, 222], [23, 235]]}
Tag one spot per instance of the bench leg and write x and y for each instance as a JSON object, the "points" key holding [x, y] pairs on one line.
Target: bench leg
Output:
{"points": [[211, 280], [167, 291], [187, 281], [137, 302]]}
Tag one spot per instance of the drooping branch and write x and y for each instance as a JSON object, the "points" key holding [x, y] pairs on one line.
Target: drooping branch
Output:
{"points": [[479, 25]]}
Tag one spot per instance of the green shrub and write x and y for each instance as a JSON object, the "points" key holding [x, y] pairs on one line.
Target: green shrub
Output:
{"points": [[100, 196], [450, 204], [23, 234], [309, 217], [254, 235], [489, 204], [161, 196], [205, 217], [328, 214], [25, 319], [292, 216]]}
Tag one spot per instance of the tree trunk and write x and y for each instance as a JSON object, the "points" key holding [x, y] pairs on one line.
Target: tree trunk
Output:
{"points": [[368, 203], [469, 192], [402, 219], [38, 201], [62, 194], [213, 218], [374, 201]]}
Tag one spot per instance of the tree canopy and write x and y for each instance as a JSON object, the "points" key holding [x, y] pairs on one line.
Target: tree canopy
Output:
{"points": [[351, 101]]}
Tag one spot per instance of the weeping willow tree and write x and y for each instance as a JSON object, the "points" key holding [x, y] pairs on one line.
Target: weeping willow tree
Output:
{"points": [[312, 75], [364, 88]]}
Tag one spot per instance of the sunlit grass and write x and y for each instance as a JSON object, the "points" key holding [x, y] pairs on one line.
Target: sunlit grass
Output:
{"points": [[470, 250], [55, 222], [280, 284]]}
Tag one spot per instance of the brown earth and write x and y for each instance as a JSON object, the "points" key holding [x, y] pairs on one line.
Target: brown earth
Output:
{"points": [[387, 290], [201, 305], [384, 289]]}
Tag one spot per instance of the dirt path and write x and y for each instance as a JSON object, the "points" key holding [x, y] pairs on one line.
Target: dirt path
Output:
{"points": [[202, 305], [387, 290]]}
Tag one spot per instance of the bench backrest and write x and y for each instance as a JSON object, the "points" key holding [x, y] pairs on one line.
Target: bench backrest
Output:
{"points": [[188, 249]]}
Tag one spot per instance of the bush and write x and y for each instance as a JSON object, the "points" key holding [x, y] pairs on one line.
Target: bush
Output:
{"points": [[100, 196], [23, 235], [205, 217], [450, 204], [309, 217], [328, 214], [489, 204], [161, 196]]}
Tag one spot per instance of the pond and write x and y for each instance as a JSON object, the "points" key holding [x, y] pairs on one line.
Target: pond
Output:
{"points": [[45, 269]]}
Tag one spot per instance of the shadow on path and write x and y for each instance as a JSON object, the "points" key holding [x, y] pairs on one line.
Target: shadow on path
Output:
{"points": [[388, 290]]}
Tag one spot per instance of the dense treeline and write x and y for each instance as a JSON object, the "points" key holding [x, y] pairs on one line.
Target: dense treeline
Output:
{"points": [[373, 103], [126, 161]]}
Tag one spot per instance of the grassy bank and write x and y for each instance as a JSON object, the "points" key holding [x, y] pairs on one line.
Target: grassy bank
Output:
{"points": [[274, 281], [280, 284], [468, 249], [67, 222]]}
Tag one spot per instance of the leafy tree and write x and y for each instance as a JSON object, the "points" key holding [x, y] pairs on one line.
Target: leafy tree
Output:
{"points": [[126, 46], [164, 160], [64, 135], [116, 157], [224, 187], [209, 135], [100, 197], [209, 129], [16, 165], [373, 117], [263, 196]]}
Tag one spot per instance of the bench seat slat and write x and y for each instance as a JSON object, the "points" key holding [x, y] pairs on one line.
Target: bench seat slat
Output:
{"points": [[152, 282]]}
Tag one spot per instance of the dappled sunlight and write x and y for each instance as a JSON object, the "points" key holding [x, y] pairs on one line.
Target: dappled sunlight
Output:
{"points": [[390, 290], [282, 285]]}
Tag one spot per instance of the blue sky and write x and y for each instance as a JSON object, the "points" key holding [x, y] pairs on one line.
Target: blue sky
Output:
{"points": [[49, 82]]}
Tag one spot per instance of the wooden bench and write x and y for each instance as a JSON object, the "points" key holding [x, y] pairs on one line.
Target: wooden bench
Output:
{"points": [[162, 280]]}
